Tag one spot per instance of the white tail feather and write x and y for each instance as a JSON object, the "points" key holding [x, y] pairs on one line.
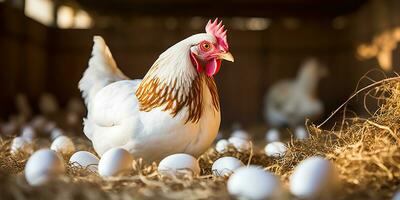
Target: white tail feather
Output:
{"points": [[102, 70]]}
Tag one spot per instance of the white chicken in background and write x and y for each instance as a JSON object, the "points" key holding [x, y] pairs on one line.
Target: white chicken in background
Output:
{"points": [[290, 102], [174, 109]]}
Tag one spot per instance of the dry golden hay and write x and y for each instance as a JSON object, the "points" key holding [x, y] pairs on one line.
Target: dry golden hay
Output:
{"points": [[365, 151]]}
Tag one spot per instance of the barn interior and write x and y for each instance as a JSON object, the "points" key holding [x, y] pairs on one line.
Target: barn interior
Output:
{"points": [[45, 47]]}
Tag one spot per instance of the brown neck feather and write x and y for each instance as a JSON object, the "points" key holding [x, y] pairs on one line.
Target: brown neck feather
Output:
{"points": [[153, 93]]}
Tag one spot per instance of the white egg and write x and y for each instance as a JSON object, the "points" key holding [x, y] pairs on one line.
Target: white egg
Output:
{"points": [[85, 160], [63, 145], [225, 166], [301, 133], [313, 177], [20, 144], [55, 133], [222, 146], [275, 149], [254, 183], [240, 144], [240, 133], [43, 166], [178, 162], [114, 162], [28, 133], [272, 135]]}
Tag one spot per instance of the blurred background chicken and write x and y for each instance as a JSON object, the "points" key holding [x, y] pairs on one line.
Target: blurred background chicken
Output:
{"points": [[290, 102]]}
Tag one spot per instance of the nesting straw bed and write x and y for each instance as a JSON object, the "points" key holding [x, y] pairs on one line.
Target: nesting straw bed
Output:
{"points": [[365, 152]]}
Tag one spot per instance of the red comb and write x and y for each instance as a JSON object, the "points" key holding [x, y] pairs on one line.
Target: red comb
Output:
{"points": [[218, 31]]}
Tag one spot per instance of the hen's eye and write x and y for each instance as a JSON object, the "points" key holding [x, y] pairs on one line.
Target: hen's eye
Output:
{"points": [[205, 46]]}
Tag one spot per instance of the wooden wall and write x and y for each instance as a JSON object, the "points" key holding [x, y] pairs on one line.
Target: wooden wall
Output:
{"points": [[23, 58], [261, 58], [36, 59]]}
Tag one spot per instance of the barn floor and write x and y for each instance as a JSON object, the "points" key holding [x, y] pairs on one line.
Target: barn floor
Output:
{"points": [[364, 151]]}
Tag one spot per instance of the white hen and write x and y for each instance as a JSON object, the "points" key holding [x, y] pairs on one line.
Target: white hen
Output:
{"points": [[289, 102], [174, 109]]}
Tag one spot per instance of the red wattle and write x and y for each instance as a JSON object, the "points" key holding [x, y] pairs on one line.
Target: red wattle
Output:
{"points": [[212, 67]]}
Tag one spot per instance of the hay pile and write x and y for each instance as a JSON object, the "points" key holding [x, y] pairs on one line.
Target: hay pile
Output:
{"points": [[365, 151]]}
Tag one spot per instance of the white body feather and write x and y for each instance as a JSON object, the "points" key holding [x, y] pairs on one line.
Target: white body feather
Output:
{"points": [[114, 118]]}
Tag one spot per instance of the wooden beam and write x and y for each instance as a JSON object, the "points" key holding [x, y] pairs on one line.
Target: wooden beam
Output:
{"points": [[224, 8]]}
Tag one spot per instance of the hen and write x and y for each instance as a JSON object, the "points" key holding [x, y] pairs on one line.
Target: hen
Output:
{"points": [[173, 109], [289, 102]]}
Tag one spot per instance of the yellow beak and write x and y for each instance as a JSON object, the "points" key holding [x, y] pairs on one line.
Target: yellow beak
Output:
{"points": [[226, 56]]}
